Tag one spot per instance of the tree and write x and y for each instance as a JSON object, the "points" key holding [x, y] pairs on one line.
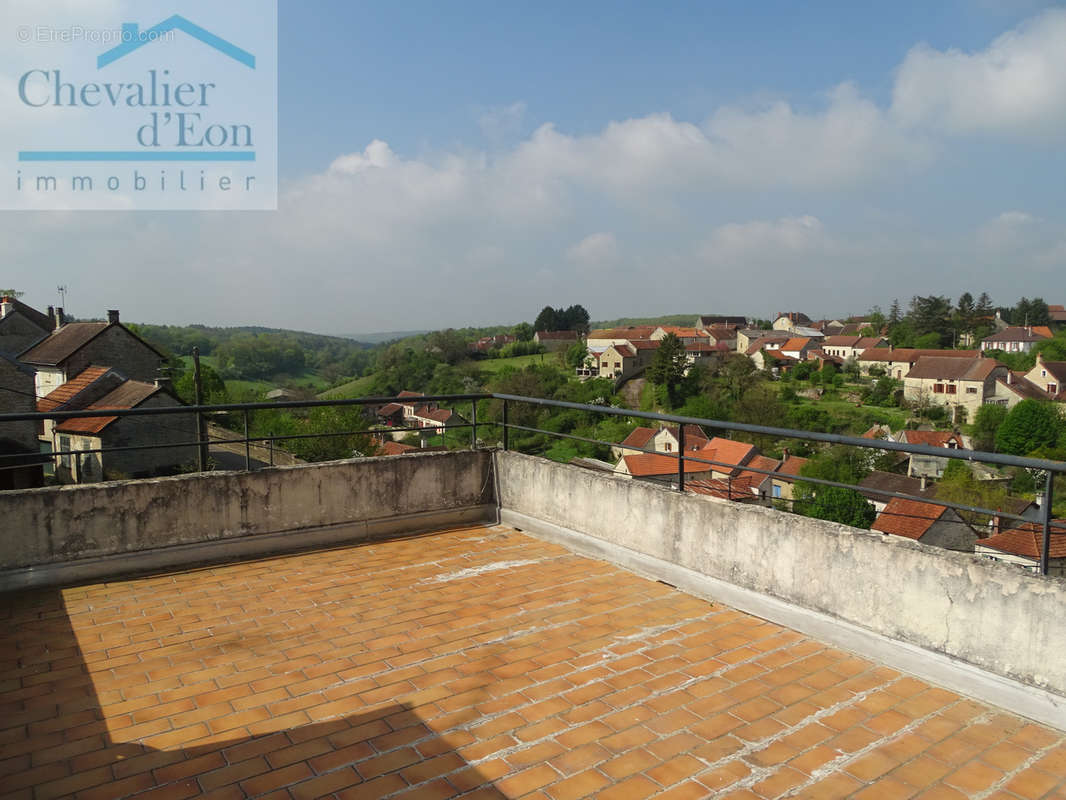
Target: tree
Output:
{"points": [[576, 318], [668, 367], [214, 388], [985, 424], [845, 506], [983, 311], [1030, 425], [931, 314], [576, 354], [523, 332], [547, 320], [11, 293], [1030, 312], [834, 503], [449, 344], [895, 316]]}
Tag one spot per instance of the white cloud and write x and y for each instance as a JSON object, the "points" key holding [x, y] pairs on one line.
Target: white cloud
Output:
{"points": [[503, 122], [1016, 85]]}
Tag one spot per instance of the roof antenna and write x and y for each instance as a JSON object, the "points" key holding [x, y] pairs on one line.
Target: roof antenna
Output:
{"points": [[62, 295]]}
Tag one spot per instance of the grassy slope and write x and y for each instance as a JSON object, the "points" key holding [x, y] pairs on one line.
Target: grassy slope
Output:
{"points": [[305, 379]]}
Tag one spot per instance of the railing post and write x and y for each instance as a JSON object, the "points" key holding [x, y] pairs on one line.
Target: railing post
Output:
{"points": [[201, 423], [506, 431], [473, 424], [681, 458], [1048, 500], [272, 451], [247, 445]]}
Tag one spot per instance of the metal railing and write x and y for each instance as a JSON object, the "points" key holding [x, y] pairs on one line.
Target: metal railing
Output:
{"points": [[506, 426]]}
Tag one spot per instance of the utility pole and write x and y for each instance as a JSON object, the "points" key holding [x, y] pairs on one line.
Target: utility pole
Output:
{"points": [[201, 423]]}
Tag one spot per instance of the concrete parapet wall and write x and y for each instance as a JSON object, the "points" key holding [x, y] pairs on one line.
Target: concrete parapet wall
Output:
{"points": [[991, 615], [81, 532]]}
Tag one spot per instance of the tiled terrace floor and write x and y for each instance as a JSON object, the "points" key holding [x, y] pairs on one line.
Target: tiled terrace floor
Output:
{"points": [[479, 663]]}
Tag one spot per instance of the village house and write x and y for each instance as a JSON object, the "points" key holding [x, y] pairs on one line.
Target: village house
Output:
{"points": [[1015, 387], [896, 362], [600, 340], [845, 347], [20, 460], [923, 466], [663, 439], [77, 442], [746, 339], [1023, 545], [1016, 339], [785, 477], [487, 343], [1057, 313], [73, 347], [876, 482], [22, 326], [554, 341], [729, 459], [927, 523], [686, 335], [959, 384], [790, 320], [798, 348], [414, 412], [771, 359], [1049, 377]]}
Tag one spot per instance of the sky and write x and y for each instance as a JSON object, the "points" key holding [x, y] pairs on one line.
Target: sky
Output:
{"points": [[469, 163]]}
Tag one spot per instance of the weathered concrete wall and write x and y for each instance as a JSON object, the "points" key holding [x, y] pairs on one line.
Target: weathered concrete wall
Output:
{"points": [[988, 614], [270, 510]]}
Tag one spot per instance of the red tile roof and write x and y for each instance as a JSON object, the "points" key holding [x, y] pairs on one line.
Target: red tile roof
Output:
{"points": [[791, 466], [644, 344], [1028, 540], [953, 369], [932, 438], [65, 393], [638, 438], [795, 344], [761, 463], [911, 355], [1036, 333], [391, 448], [907, 518], [729, 455], [129, 395], [739, 488], [645, 465]]}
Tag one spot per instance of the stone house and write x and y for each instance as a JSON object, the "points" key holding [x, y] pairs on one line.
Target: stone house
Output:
{"points": [[927, 523], [1016, 339], [21, 464], [72, 348], [1024, 546], [663, 439], [75, 440], [22, 326], [955, 383], [898, 361], [923, 466]]}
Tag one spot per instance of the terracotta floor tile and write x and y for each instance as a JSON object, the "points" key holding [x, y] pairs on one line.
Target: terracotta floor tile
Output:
{"points": [[401, 668]]}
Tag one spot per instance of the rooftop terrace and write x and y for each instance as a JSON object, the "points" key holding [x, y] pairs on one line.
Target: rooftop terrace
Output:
{"points": [[477, 662]]}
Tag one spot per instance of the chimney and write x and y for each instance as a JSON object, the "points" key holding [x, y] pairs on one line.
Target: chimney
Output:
{"points": [[1010, 377], [997, 523], [7, 305], [52, 317], [891, 347], [784, 454], [112, 316], [923, 483], [164, 382], [61, 318]]}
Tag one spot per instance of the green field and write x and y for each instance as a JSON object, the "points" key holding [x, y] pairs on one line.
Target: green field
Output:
{"points": [[345, 391], [494, 365], [244, 387]]}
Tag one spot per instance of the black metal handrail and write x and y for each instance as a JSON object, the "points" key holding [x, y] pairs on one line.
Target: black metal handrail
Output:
{"points": [[1050, 467]]}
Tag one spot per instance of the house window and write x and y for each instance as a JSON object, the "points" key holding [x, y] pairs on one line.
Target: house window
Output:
{"points": [[605, 364], [669, 447], [777, 490], [971, 390], [938, 389], [1052, 388], [64, 445], [951, 388], [50, 467], [617, 365]]}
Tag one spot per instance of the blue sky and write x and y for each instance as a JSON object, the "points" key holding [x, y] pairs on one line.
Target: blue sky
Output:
{"points": [[468, 163]]}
